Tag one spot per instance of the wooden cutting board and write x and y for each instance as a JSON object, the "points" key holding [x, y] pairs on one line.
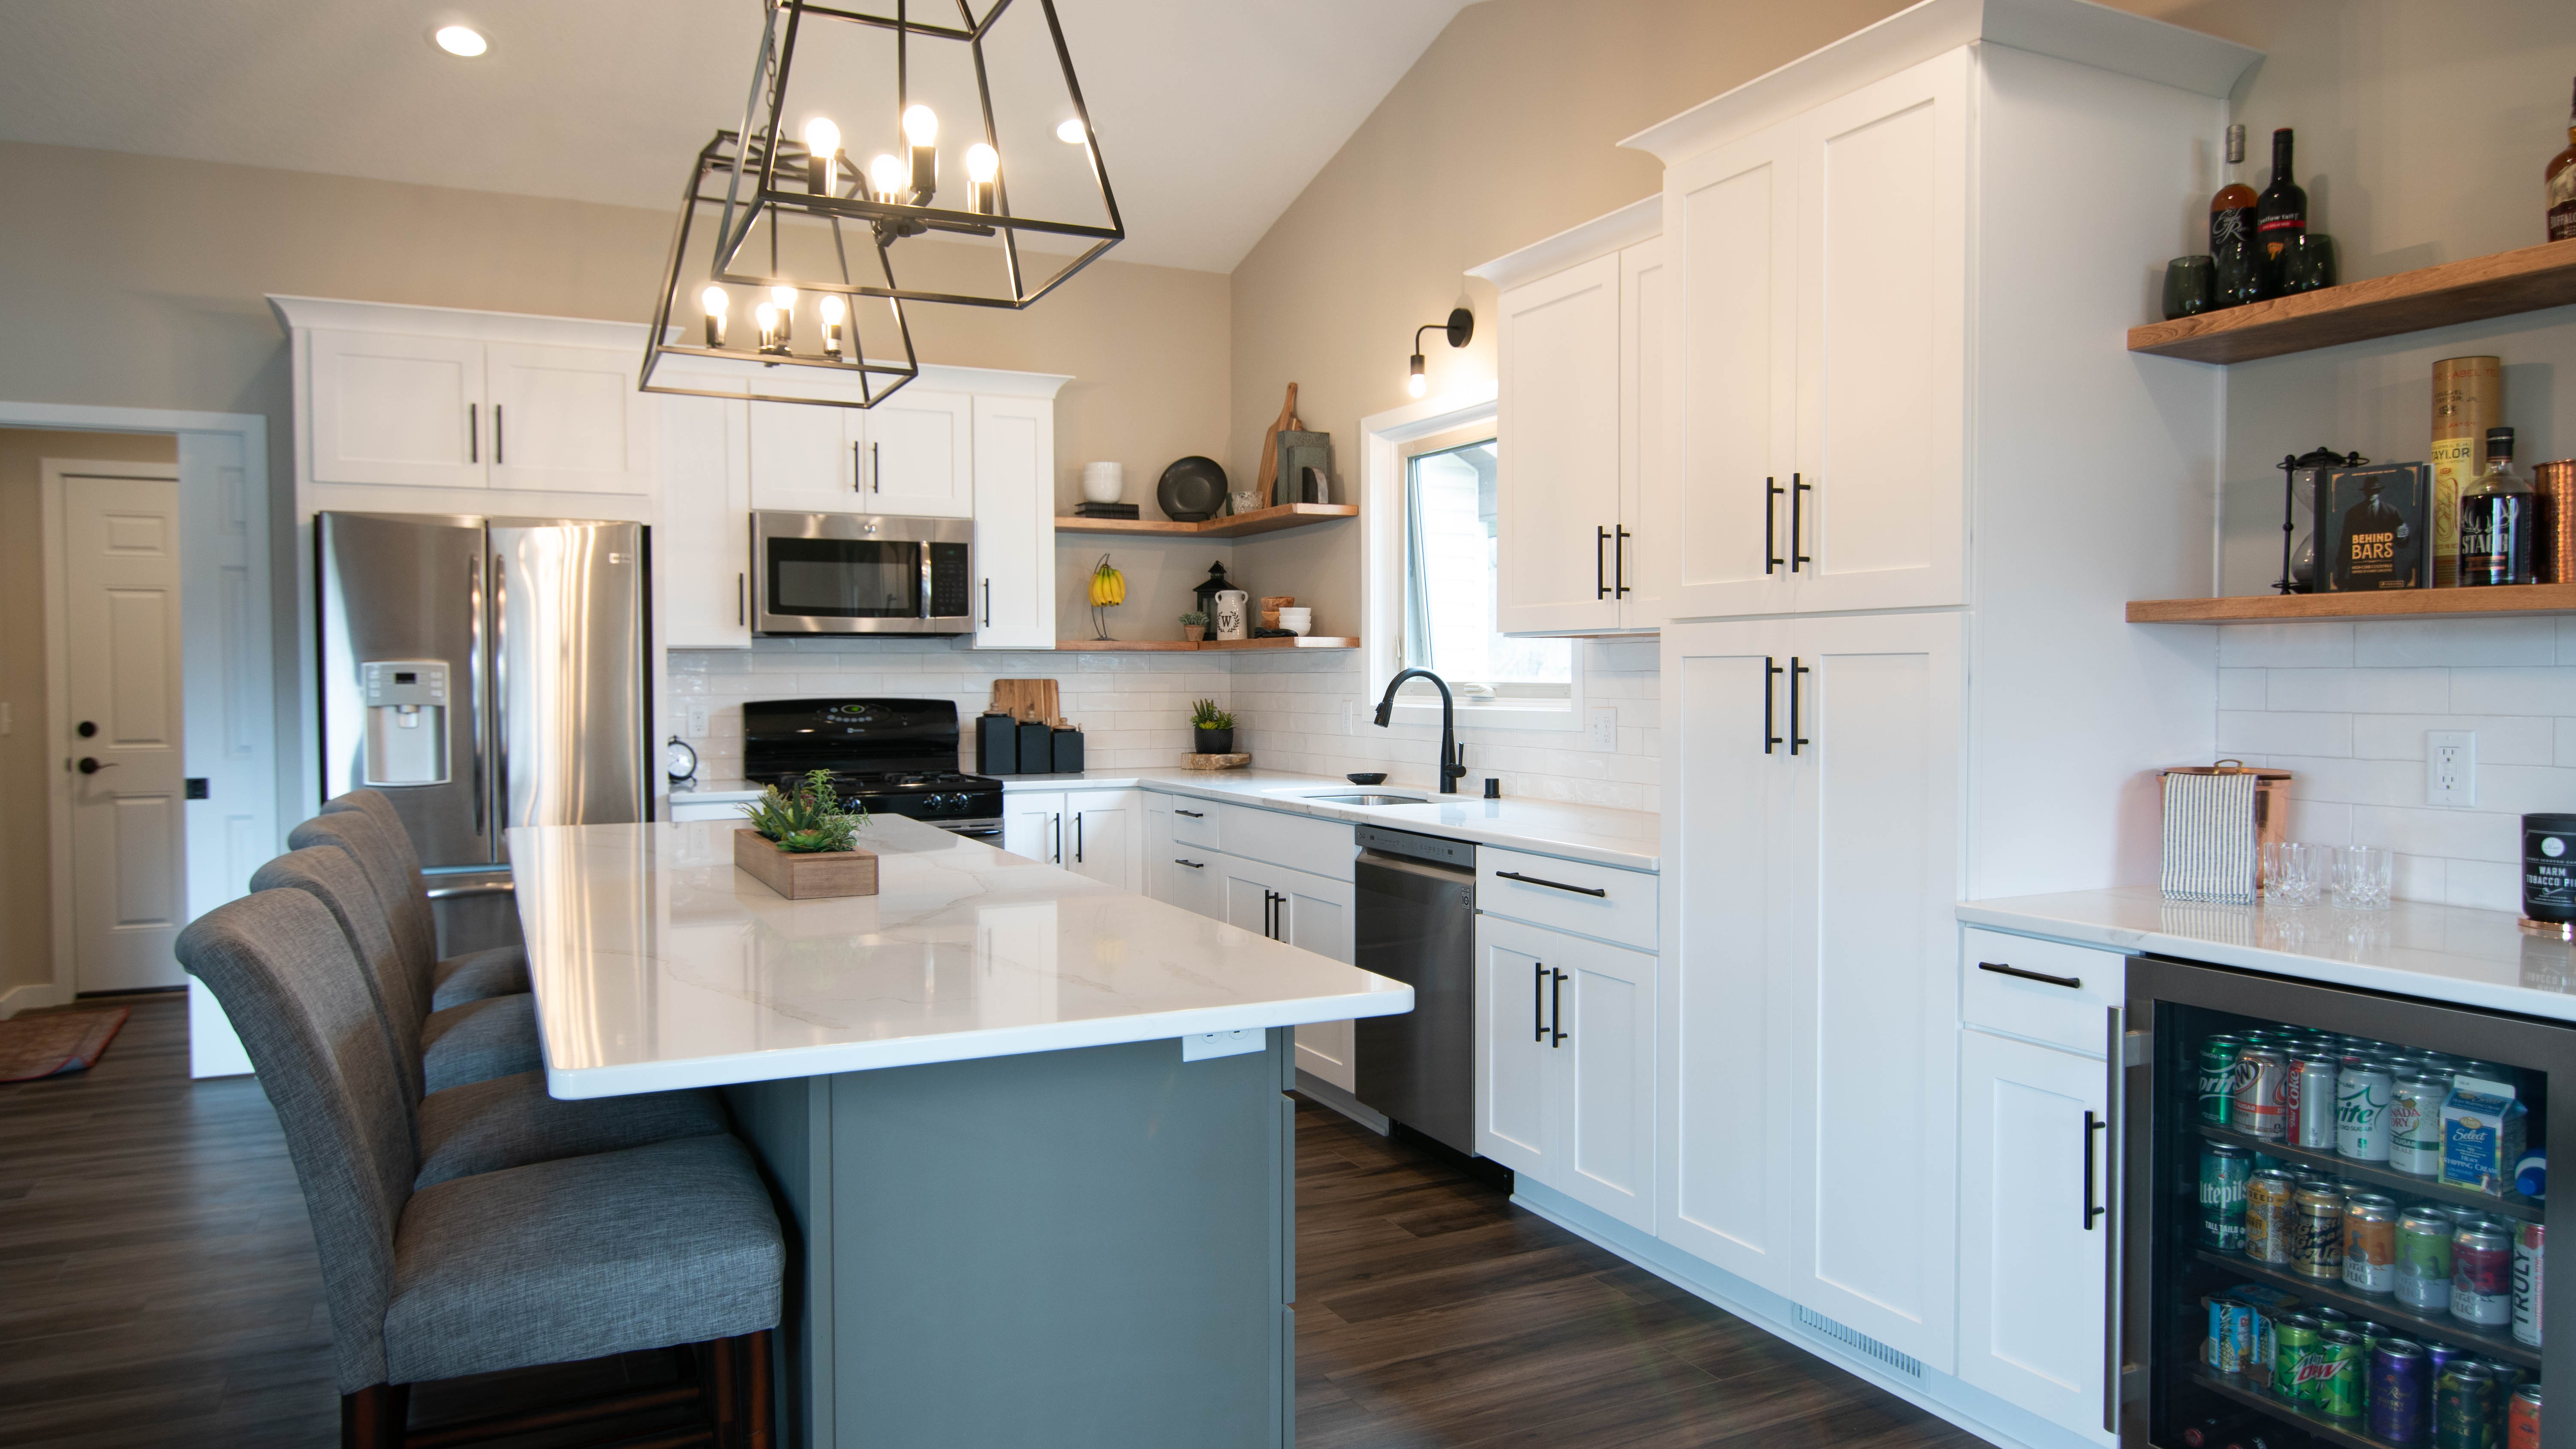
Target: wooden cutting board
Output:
{"points": [[1031, 701], [1270, 448]]}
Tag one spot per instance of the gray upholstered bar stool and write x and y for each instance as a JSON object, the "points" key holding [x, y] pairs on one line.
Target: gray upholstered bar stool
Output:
{"points": [[455, 980], [489, 1124], [472, 1041], [669, 1244]]}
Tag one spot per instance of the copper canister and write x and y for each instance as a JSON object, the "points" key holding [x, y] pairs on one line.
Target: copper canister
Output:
{"points": [[2554, 483], [2271, 803]]}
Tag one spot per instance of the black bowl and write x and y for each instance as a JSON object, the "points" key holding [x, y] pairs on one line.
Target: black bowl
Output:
{"points": [[1192, 489], [1367, 777]]}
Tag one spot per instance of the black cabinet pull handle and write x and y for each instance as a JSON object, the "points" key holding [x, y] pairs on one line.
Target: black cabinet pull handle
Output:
{"points": [[2071, 983], [1077, 837], [1059, 840], [1600, 581], [1797, 526], [473, 433], [499, 456], [1619, 564], [876, 470], [1192, 864], [1193, 814], [1553, 885], [1556, 1007], [988, 603], [1770, 671], [1770, 525], [2092, 1124], [742, 598], [1538, 1002], [1796, 739]]}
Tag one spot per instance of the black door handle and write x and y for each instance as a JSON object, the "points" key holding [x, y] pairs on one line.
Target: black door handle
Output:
{"points": [[2071, 983], [2092, 1124], [1796, 739], [1770, 524], [1770, 671], [1600, 581], [89, 766], [1538, 1002], [1550, 884], [1556, 1007], [1797, 527], [1619, 564]]}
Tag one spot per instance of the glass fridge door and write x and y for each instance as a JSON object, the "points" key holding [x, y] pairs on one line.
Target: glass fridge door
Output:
{"points": [[2338, 1217]]}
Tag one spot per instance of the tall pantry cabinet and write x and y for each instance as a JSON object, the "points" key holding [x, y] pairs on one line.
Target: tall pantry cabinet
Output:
{"points": [[1914, 475]]}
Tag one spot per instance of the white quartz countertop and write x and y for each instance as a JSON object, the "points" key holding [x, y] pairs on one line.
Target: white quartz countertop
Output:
{"points": [[2438, 953], [656, 964]]}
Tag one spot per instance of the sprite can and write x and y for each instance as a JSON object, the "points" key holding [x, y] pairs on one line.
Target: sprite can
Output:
{"points": [[2225, 1168], [2218, 1077]]}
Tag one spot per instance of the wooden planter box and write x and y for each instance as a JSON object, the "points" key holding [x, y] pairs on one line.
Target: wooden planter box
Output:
{"points": [[805, 876]]}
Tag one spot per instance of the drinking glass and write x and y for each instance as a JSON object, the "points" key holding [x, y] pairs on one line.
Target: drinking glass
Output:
{"points": [[2309, 264], [2187, 287], [2291, 874], [2364, 876]]}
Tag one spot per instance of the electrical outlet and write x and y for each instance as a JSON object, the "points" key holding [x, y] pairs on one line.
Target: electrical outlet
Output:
{"points": [[697, 719], [1601, 727], [1199, 1046], [2451, 767]]}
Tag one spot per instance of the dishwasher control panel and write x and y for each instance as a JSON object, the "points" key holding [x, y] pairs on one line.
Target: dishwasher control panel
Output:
{"points": [[1429, 849]]}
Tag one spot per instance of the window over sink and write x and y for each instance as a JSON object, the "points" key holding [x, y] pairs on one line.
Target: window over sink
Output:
{"points": [[1450, 593]]}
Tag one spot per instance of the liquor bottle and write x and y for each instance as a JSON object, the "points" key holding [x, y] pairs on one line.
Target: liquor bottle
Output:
{"points": [[2562, 184], [2215, 1430], [2498, 522], [2280, 216], [2236, 279]]}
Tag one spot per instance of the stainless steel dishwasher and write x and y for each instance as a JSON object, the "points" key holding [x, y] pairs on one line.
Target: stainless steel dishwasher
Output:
{"points": [[1416, 922]]}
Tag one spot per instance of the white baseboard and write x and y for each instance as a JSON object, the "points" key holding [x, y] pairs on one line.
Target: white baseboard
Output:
{"points": [[1340, 1101], [28, 998], [2005, 1425]]}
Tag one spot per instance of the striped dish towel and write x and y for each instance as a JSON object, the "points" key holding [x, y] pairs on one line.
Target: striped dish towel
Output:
{"points": [[2209, 837]]}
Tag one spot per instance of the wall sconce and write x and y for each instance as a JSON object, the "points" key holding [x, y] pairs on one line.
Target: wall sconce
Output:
{"points": [[1461, 328]]}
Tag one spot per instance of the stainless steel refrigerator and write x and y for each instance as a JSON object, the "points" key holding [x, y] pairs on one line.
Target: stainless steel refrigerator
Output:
{"points": [[484, 673]]}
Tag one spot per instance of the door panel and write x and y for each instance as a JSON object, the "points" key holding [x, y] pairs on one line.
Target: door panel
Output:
{"points": [[1643, 560], [567, 418], [404, 410], [122, 663], [1029, 825], [920, 455], [1513, 1104], [804, 458], [702, 549], [569, 714], [1606, 1081], [1102, 826], [1558, 479], [1315, 915], [1014, 523]]}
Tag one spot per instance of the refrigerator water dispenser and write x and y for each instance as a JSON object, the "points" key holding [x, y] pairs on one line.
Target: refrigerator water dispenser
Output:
{"points": [[406, 704]]}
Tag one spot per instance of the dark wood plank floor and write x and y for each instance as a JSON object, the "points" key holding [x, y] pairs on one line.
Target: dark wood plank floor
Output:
{"points": [[158, 1287]]}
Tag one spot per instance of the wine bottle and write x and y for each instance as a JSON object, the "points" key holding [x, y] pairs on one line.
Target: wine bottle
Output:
{"points": [[2280, 217], [2561, 174], [2499, 524]]}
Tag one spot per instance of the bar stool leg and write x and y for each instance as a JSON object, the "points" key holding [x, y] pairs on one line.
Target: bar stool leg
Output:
{"points": [[758, 1431], [373, 1417]]}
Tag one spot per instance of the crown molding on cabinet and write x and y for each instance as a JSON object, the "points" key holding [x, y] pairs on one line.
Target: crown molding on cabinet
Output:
{"points": [[1636, 222], [2094, 35]]}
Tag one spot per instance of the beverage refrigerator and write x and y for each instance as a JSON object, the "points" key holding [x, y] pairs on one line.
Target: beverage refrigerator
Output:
{"points": [[484, 673], [2335, 1218]]}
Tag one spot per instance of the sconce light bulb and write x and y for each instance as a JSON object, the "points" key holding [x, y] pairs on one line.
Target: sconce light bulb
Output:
{"points": [[887, 176], [1071, 132], [920, 125], [833, 308], [822, 138], [1417, 384], [714, 300], [983, 163]]}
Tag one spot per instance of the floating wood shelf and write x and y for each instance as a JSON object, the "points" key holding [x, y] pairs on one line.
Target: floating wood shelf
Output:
{"points": [[1237, 525], [1156, 646], [2391, 604], [2524, 280]]}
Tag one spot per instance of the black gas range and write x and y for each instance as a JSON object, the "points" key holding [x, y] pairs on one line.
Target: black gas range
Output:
{"points": [[899, 756]]}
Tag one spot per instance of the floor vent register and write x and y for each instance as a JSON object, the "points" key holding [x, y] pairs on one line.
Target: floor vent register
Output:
{"points": [[1858, 1342]]}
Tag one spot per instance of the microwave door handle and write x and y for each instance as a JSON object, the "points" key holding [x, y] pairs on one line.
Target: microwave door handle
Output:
{"points": [[922, 600]]}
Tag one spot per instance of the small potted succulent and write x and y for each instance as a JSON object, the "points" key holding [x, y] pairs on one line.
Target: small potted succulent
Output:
{"points": [[1214, 728], [1194, 626], [803, 844]]}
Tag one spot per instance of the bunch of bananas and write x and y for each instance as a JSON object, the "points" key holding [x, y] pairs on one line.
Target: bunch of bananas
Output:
{"points": [[1108, 591]]}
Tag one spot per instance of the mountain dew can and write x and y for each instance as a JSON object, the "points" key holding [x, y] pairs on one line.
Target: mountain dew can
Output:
{"points": [[2298, 1360], [2338, 1390]]}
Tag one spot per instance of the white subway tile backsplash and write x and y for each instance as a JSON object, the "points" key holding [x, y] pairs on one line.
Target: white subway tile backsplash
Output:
{"points": [[2502, 739], [2241, 688], [2374, 691], [2453, 643], [2285, 646], [2549, 690], [2252, 732]]}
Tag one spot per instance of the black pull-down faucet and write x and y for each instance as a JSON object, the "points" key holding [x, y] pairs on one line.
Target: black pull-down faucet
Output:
{"points": [[1453, 759]]}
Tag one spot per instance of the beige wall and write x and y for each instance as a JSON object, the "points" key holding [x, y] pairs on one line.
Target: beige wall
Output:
{"points": [[26, 775]]}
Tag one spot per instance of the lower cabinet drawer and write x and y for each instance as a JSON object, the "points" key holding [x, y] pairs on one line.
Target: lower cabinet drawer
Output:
{"points": [[1569, 895], [1194, 822], [2044, 991], [1300, 842]]}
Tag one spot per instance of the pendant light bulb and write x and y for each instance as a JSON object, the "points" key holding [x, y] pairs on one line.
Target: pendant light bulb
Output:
{"points": [[833, 309], [766, 316], [1417, 384], [783, 298], [1071, 132], [714, 300], [920, 125], [822, 148], [983, 163], [886, 176]]}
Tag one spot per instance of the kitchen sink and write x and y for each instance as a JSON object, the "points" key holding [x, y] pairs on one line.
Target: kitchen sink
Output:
{"points": [[1368, 799]]}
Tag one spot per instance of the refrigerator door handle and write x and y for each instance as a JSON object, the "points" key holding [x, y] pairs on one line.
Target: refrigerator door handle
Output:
{"points": [[500, 696], [474, 670]]}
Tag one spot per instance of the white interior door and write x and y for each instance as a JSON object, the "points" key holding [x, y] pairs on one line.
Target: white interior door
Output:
{"points": [[121, 712], [1558, 421], [567, 418], [920, 455], [405, 410]]}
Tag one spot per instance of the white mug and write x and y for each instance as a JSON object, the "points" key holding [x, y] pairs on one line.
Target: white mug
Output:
{"points": [[1103, 482], [1229, 613]]}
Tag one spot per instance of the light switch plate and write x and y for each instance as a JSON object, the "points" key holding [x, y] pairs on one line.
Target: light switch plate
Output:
{"points": [[1203, 1045], [1601, 727], [2451, 768]]}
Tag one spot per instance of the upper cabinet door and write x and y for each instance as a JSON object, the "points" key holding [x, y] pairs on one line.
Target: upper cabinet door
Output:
{"points": [[920, 453], [566, 419], [1722, 506], [805, 458], [404, 410], [1014, 578], [1640, 559], [1881, 286], [1557, 488], [702, 550]]}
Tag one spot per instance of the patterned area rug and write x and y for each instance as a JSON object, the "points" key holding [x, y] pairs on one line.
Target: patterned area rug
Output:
{"points": [[54, 1042]]}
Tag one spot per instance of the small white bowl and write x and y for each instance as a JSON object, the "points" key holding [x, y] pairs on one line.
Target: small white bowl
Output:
{"points": [[1300, 622]]}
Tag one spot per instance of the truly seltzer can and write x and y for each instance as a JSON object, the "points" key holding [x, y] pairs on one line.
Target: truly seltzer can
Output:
{"points": [[2526, 1284], [2218, 1077], [2363, 1089], [2308, 1103], [2224, 1170]]}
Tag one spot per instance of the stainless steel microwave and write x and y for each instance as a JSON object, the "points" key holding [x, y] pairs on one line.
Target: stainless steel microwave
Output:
{"points": [[856, 573]]}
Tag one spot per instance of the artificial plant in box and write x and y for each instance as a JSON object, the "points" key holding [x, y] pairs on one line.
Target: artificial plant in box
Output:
{"points": [[809, 821], [802, 844]]}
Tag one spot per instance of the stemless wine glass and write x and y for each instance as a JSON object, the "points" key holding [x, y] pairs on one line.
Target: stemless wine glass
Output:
{"points": [[2364, 877], [2309, 265], [2292, 872], [2187, 287]]}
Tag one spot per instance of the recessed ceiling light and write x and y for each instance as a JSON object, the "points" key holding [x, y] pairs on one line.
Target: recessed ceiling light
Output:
{"points": [[1070, 133], [462, 40]]}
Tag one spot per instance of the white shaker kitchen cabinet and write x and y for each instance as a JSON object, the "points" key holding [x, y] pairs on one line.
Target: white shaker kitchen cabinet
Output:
{"points": [[1305, 910], [1104, 835], [919, 454], [566, 419], [387, 408], [2036, 1159], [1566, 1065], [702, 547], [1641, 558], [1515, 1111], [1557, 475], [1014, 583], [1033, 826], [805, 458]]}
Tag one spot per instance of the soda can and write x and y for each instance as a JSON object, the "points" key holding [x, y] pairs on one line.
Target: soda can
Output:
{"points": [[2297, 1361], [2522, 1419], [2232, 1334], [2262, 1076], [2423, 1258], [2415, 1123], [2218, 1077], [2506, 1374], [2339, 1384], [2464, 1399], [2330, 1317], [2316, 1233], [2268, 1196], [2225, 1168], [2370, 1243], [2401, 1391], [2526, 1284], [2482, 1274], [2444, 1355], [2308, 1101], [2363, 1090]]}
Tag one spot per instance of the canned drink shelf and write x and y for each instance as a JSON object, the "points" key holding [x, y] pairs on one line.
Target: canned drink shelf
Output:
{"points": [[2345, 1433], [2493, 1342], [2510, 1205]]}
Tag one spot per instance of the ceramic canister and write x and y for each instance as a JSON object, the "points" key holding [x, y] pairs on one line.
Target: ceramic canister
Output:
{"points": [[1229, 619], [1103, 482]]}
